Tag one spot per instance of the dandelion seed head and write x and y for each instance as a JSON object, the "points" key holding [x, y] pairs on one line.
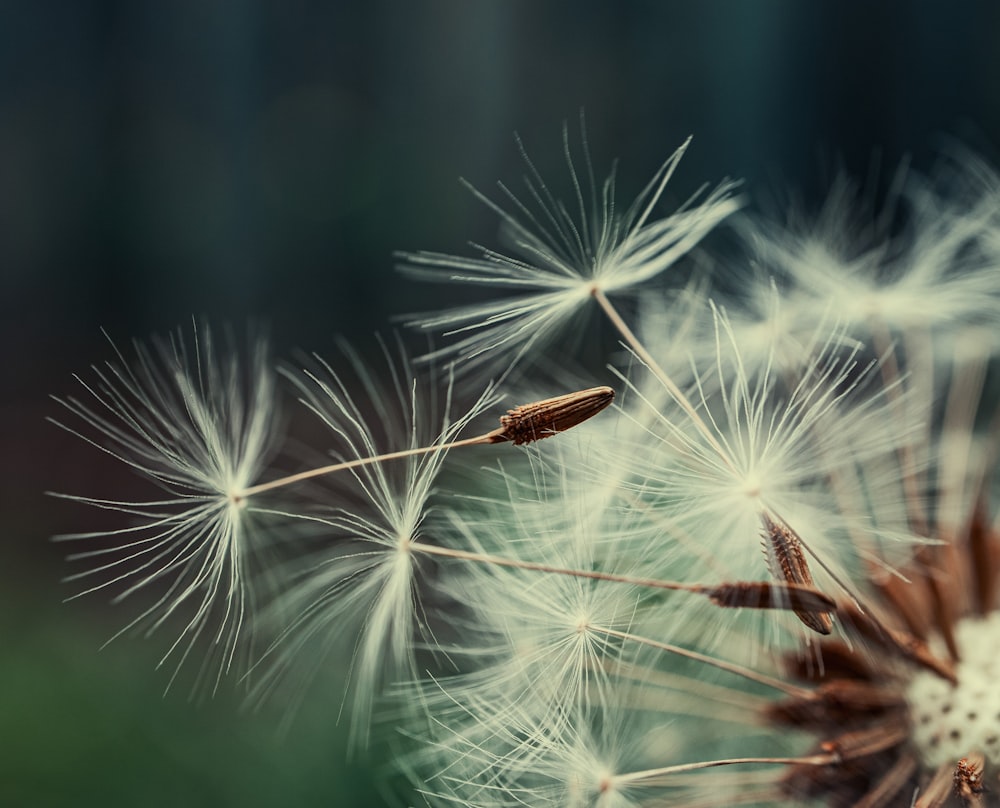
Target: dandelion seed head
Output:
{"points": [[949, 721], [923, 261], [593, 624]]}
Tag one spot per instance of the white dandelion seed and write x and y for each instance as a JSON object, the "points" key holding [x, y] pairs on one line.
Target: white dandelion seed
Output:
{"points": [[369, 579], [930, 272], [762, 453], [200, 427], [563, 255], [546, 613], [366, 583], [612, 755]]}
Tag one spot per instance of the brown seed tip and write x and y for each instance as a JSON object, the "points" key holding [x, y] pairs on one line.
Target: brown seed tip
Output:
{"points": [[541, 419], [787, 561]]}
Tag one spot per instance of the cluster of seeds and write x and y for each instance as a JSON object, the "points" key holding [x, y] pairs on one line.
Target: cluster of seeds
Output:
{"points": [[594, 626]]}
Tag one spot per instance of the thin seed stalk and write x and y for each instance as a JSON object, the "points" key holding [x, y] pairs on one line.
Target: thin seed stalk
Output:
{"points": [[640, 350], [738, 594], [680, 768], [729, 667], [521, 425], [309, 474]]}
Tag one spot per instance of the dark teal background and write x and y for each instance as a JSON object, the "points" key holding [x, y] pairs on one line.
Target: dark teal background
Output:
{"points": [[254, 161]]}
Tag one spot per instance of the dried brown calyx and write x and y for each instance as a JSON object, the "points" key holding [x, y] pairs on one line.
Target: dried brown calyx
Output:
{"points": [[542, 419], [905, 726]]}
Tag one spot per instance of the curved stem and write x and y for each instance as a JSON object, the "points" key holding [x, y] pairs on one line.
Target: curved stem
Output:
{"points": [[489, 437]]}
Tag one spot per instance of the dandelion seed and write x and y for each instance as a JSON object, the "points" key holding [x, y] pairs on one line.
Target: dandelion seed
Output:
{"points": [[541, 419], [545, 628], [766, 447], [559, 260], [366, 583], [200, 428], [935, 274], [521, 425], [788, 562], [373, 578]]}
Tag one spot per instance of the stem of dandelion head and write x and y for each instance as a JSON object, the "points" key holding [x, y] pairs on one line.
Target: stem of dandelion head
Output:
{"points": [[640, 350]]}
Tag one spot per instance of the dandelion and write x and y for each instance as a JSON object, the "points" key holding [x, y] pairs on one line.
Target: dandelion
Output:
{"points": [[834, 459], [591, 621]]}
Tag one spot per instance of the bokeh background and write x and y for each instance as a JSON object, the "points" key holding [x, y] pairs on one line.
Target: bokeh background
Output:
{"points": [[260, 162]]}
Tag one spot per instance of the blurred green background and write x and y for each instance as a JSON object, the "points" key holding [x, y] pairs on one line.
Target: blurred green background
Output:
{"points": [[255, 161]]}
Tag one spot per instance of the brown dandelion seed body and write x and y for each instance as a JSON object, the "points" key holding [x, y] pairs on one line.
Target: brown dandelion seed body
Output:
{"points": [[542, 419], [764, 595], [841, 701], [787, 561]]}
